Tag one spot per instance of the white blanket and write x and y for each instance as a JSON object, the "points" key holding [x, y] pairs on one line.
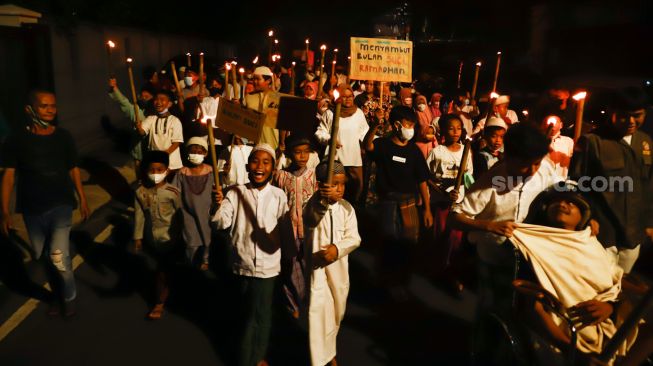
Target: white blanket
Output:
{"points": [[574, 267]]}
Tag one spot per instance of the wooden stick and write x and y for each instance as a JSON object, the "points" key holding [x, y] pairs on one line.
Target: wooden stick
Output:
{"points": [[496, 72], [130, 72], [214, 158], [578, 127], [234, 81], [333, 143], [463, 164], [460, 73], [381, 95], [180, 95], [226, 81], [478, 67]]}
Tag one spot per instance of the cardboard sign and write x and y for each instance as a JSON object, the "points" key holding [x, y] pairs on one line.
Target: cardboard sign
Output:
{"points": [[378, 59], [234, 118]]}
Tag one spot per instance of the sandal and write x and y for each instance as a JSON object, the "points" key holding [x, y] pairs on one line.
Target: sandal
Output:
{"points": [[156, 312]]}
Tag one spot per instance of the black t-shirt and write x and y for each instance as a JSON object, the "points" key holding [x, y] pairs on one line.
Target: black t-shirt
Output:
{"points": [[42, 164], [399, 169]]}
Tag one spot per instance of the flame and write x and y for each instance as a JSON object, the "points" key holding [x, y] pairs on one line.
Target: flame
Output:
{"points": [[524, 112], [270, 33], [334, 62], [323, 47], [276, 41], [348, 57], [129, 59], [306, 41], [478, 64], [234, 63], [494, 95], [111, 44], [336, 94], [187, 53], [227, 66], [552, 120], [201, 53], [294, 63], [205, 119], [255, 60], [499, 53], [580, 95], [241, 70], [335, 50]]}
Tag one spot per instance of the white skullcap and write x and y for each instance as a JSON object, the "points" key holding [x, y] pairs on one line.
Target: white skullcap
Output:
{"points": [[263, 70], [496, 122], [502, 99]]}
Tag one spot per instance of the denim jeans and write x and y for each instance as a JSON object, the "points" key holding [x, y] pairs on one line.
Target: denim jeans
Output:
{"points": [[49, 234]]}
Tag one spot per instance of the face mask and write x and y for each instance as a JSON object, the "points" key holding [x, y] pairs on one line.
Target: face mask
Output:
{"points": [[407, 133], [157, 178], [35, 119], [196, 159], [466, 101], [214, 91], [421, 107], [188, 81]]}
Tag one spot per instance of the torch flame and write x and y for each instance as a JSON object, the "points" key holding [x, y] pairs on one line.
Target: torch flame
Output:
{"points": [[524, 112], [187, 53], [294, 63], [111, 44], [494, 95], [334, 62], [234, 63], [580, 95], [336, 94], [499, 53], [348, 57], [227, 66], [129, 59], [551, 120], [478, 64], [241, 70], [276, 41], [255, 60], [323, 47], [335, 50], [270, 33], [306, 41], [207, 118]]}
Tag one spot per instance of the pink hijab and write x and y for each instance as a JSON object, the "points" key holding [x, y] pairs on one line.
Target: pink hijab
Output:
{"points": [[435, 111], [424, 119]]}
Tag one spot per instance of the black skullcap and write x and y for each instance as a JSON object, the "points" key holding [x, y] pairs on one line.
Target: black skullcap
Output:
{"points": [[321, 170]]}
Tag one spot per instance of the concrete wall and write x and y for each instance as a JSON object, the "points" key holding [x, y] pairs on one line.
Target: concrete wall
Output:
{"points": [[80, 68]]}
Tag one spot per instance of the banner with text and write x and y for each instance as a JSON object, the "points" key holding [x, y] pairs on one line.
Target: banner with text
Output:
{"points": [[381, 59]]}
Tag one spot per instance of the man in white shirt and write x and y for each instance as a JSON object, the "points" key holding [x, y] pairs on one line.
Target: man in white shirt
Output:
{"points": [[561, 148], [496, 202], [163, 130]]}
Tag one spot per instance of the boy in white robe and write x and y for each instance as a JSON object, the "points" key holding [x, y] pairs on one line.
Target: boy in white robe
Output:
{"points": [[331, 233]]}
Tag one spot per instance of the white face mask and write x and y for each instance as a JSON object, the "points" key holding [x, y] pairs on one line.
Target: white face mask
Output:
{"points": [[196, 159], [188, 81], [421, 107], [467, 102], [407, 133], [157, 178]]}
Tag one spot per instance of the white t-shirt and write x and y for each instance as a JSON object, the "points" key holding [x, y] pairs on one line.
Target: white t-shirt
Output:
{"points": [[444, 163], [560, 152], [162, 133], [351, 132]]}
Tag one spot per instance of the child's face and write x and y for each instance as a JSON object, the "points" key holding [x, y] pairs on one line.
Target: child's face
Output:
{"points": [[502, 109], [196, 149], [157, 168], [453, 132], [300, 155], [495, 139], [161, 102], [563, 214], [339, 181], [260, 167]]}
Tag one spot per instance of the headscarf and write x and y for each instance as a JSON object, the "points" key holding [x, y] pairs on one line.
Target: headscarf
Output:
{"points": [[403, 94], [435, 111], [347, 111]]}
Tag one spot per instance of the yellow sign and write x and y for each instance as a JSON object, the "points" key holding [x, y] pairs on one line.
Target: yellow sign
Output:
{"points": [[234, 118], [381, 59]]}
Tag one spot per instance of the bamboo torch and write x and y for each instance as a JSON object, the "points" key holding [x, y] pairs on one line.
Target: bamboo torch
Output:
{"points": [[550, 122], [460, 73], [578, 127], [110, 46], [214, 158], [188, 59], [478, 67], [180, 95], [307, 42], [321, 83], [333, 73], [334, 136], [348, 69], [130, 72], [234, 79], [496, 71], [463, 164], [292, 79], [227, 69], [270, 35], [242, 84]]}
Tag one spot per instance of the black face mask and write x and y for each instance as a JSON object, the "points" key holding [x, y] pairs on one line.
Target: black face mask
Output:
{"points": [[215, 91]]}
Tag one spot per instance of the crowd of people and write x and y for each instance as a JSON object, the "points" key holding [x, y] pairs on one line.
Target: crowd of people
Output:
{"points": [[426, 167]]}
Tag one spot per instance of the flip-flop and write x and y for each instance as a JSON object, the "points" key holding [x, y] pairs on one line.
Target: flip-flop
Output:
{"points": [[156, 312]]}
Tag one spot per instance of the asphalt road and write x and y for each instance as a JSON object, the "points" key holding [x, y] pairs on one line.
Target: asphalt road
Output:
{"points": [[424, 326]]}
